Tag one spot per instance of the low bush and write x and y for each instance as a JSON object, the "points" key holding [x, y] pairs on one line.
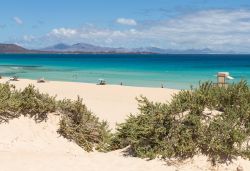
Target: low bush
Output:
{"points": [[9, 103], [211, 120], [77, 122], [29, 102], [81, 126], [35, 104]]}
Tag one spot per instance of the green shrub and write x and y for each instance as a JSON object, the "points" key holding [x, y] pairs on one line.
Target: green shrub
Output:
{"points": [[210, 120], [28, 102], [35, 104], [77, 123], [81, 126], [8, 103]]}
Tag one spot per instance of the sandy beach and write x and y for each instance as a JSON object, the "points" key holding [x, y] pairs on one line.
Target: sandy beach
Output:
{"points": [[132, 85], [112, 103], [26, 145]]}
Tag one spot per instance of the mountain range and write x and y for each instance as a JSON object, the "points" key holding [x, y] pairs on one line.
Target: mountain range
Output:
{"points": [[12, 48], [85, 48], [89, 48]]}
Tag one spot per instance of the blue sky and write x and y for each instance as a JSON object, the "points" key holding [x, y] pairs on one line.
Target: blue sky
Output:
{"points": [[180, 24]]}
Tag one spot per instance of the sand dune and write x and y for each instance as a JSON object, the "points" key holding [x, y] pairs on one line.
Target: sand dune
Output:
{"points": [[28, 146]]}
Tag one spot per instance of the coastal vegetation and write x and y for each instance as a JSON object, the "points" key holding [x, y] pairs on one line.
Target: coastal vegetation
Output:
{"points": [[209, 120], [28, 102], [77, 123], [81, 126]]}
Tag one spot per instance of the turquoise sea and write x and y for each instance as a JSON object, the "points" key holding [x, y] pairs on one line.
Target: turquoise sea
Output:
{"points": [[173, 71]]}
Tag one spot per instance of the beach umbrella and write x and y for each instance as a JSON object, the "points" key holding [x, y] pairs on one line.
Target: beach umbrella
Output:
{"points": [[229, 77], [226, 75]]}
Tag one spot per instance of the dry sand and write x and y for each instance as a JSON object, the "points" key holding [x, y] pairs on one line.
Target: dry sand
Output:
{"points": [[112, 103], [29, 146]]}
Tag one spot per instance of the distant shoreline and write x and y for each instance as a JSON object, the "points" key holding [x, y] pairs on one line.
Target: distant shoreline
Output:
{"points": [[111, 53], [82, 48]]}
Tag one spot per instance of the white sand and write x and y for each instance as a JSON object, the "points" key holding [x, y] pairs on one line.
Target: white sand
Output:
{"points": [[29, 146], [110, 102]]}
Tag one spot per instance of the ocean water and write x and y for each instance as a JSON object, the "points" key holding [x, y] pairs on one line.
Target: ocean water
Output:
{"points": [[173, 71]]}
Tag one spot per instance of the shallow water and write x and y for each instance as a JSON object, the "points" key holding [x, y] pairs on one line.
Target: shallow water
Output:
{"points": [[173, 71]]}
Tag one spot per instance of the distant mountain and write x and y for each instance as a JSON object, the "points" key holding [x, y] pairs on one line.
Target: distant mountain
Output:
{"points": [[89, 48], [83, 47], [174, 51], [60, 48], [12, 48], [150, 49], [57, 47]]}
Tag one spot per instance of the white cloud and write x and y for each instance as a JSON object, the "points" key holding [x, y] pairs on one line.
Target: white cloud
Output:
{"points": [[224, 30], [215, 29], [28, 38], [18, 20], [64, 32], [126, 21]]}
